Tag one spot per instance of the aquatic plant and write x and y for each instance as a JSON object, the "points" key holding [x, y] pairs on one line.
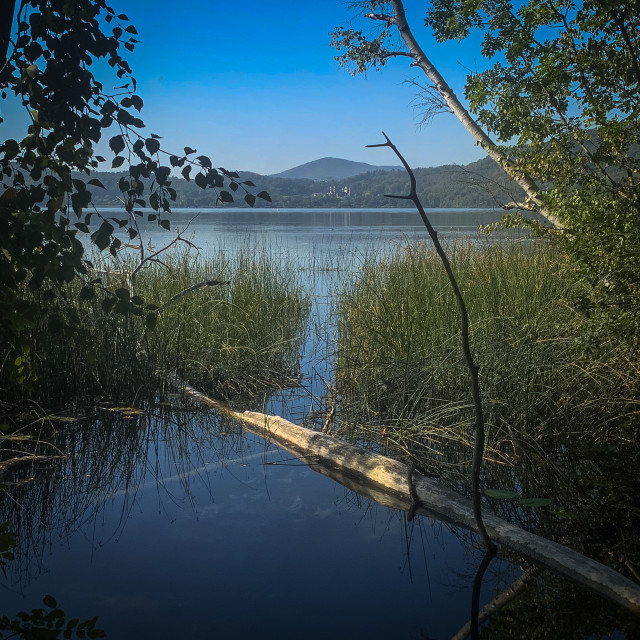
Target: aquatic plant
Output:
{"points": [[400, 370], [238, 335]]}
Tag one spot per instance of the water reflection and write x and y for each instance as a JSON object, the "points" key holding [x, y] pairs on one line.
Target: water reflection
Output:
{"points": [[165, 521], [176, 522]]}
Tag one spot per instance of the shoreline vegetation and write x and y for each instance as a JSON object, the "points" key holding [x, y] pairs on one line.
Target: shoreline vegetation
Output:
{"points": [[481, 184], [562, 409], [237, 332]]}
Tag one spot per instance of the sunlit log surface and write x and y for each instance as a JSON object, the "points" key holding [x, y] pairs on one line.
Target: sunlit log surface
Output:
{"points": [[386, 481]]}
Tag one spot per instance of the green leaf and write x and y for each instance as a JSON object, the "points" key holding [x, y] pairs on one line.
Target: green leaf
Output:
{"points": [[225, 196], [501, 494], [250, 199], [122, 294], [265, 196], [50, 602], [165, 224], [535, 502], [118, 161], [151, 320], [96, 183], [566, 515], [152, 145], [117, 144]]}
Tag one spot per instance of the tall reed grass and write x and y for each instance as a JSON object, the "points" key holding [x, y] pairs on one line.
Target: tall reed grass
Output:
{"points": [[401, 373], [231, 339]]}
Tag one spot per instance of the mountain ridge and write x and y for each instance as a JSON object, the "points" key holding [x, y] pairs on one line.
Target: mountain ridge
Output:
{"points": [[330, 168], [480, 184]]}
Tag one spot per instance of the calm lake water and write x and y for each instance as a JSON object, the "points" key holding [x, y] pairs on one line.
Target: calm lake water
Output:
{"points": [[301, 232], [178, 524]]}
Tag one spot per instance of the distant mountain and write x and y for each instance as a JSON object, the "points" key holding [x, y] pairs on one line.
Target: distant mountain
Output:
{"points": [[480, 184], [331, 169]]}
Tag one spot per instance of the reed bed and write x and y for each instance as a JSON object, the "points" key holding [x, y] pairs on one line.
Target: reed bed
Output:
{"points": [[230, 339], [403, 381]]}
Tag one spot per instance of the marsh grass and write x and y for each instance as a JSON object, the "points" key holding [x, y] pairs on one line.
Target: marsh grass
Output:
{"points": [[401, 373], [231, 339]]}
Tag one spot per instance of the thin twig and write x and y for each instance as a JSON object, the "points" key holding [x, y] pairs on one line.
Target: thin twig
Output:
{"points": [[478, 449], [177, 296]]}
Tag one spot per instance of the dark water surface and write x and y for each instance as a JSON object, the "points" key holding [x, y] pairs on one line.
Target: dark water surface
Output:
{"points": [[194, 529], [180, 525]]}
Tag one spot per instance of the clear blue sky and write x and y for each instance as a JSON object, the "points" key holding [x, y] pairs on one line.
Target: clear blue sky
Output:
{"points": [[254, 85]]}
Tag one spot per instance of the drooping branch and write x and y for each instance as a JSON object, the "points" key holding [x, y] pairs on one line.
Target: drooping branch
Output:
{"points": [[479, 427], [399, 21]]}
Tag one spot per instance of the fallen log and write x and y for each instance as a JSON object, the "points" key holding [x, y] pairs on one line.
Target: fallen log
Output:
{"points": [[386, 481]]}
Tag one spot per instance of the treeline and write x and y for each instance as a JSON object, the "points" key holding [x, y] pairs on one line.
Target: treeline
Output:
{"points": [[480, 184]]}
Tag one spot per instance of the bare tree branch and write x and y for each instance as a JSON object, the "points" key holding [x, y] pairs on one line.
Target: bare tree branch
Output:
{"points": [[204, 283], [428, 101], [479, 427]]}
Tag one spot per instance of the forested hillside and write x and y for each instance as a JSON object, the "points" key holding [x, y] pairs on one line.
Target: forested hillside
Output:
{"points": [[479, 184]]}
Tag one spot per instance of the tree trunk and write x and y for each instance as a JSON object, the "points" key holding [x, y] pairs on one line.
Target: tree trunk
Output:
{"points": [[7, 9], [386, 481], [421, 60]]}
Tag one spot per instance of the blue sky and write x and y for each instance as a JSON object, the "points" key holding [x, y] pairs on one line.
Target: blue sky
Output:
{"points": [[255, 86]]}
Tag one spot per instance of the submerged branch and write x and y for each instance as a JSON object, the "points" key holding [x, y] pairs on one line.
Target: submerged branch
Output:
{"points": [[502, 599]]}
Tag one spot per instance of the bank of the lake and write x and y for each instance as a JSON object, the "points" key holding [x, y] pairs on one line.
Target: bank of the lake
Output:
{"points": [[338, 320]]}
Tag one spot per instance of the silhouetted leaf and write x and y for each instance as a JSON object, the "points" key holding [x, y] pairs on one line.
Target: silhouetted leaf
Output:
{"points": [[152, 145], [117, 144]]}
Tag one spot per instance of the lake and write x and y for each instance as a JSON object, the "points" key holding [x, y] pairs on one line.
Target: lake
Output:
{"points": [[176, 523]]}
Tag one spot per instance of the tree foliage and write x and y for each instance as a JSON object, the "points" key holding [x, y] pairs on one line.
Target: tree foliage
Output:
{"points": [[559, 93], [50, 50]]}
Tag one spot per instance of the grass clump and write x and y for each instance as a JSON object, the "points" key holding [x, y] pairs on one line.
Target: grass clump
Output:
{"points": [[232, 339], [401, 372]]}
